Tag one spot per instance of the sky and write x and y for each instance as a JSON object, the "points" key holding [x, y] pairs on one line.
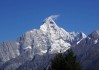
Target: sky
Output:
{"points": [[19, 16]]}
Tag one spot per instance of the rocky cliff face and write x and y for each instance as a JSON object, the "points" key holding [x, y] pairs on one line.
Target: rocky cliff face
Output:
{"points": [[88, 50], [34, 49], [8, 50]]}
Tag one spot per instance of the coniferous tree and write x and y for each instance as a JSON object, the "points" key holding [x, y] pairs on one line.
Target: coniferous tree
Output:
{"points": [[65, 62]]}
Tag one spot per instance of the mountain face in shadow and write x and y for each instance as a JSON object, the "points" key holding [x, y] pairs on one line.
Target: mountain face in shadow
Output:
{"points": [[88, 50]]}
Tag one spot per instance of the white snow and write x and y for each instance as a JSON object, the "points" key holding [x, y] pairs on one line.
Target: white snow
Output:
{"points": [[49, 39], [31, 31], [28, 47], [78, 42], [84, 36], [44, 51], [49, 24], [18, 53], [59, 39], [17, 43], [96, 41], [89, 38]]}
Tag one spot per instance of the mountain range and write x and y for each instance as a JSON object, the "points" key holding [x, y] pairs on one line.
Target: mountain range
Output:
{"points": [[35, 48], [88, 50]]}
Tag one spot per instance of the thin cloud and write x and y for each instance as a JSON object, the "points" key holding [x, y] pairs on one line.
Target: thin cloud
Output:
{"points": [[54, 17]]}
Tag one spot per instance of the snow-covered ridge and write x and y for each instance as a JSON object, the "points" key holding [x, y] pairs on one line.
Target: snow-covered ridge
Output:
{"points": [[50, 38]]}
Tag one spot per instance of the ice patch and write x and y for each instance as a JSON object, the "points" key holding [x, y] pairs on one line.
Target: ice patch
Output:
{"points": [[28, 47], [44, 51], [96, 41], [89, 38], [78, 42]]}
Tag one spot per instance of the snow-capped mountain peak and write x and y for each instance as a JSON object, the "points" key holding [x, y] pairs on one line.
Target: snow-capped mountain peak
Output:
{"points": [[49, 39], [49, 24], [84, 35]]}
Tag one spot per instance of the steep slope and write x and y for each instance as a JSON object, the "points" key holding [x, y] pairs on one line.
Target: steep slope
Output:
{"points": [[88, 50], [8, 50], [49, 38], [38, 45]]}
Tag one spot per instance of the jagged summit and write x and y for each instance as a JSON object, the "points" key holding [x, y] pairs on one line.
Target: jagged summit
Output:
{"points": [[51, 37], [48, 40], [87, 51], [49, 23], [50, 20], [94, 34]]}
